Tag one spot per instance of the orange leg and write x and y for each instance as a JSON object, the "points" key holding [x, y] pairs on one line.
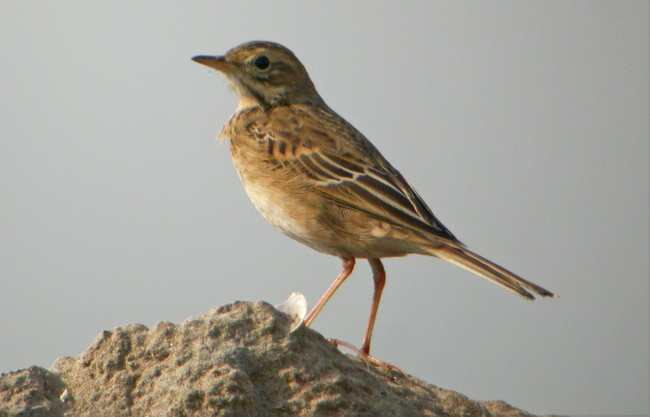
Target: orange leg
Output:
{"points": [[348, 266], [379, 277]]}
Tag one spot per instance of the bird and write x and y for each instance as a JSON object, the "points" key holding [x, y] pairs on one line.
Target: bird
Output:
{"points": [[320, 181]]}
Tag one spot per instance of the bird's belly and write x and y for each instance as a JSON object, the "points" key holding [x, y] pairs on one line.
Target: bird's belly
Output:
{"points": [[292, 215], [301, 218], [283, 213]]}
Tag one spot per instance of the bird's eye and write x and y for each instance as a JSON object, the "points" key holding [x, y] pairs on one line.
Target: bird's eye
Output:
{"points": [[262, 62]]}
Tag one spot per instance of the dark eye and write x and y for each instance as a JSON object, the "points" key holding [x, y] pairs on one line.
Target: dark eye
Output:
{"points": [[262, 62]]}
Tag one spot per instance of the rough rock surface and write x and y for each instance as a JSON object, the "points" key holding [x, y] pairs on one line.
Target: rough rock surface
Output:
{"points": [[236, 360]]}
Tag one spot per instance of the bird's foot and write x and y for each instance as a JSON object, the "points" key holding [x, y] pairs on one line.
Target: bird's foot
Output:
{"points": [[388, 367]]}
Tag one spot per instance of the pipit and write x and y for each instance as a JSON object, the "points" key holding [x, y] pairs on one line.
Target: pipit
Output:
{"points": [[318, 180]]}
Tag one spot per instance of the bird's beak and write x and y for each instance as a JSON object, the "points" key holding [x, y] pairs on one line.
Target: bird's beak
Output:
{"points": [[217, 62]]}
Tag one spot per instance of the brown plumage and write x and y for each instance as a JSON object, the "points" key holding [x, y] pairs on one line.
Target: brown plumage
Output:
{"points": [[321, 182]]}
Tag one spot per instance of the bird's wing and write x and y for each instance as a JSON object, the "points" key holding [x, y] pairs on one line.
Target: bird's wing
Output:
{"points": [[350, 173]]}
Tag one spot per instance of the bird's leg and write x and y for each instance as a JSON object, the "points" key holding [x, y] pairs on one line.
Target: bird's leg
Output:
{"points": [[348, 266], [379, 277]]}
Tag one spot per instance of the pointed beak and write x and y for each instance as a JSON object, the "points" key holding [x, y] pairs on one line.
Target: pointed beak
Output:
{"points": [[217, 62]]}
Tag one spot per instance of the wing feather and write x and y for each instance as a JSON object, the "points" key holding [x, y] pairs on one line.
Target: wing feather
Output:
{"points": [[351, 173], [378, 192]]}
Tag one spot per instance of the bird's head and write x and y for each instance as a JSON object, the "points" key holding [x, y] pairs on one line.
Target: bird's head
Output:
{"points": [[264, 74]]}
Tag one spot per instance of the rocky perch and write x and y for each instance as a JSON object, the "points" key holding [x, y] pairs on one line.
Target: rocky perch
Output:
{"points": [[236, 360]]}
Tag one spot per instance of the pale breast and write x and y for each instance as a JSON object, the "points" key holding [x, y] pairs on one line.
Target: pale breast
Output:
{"points": [[276, 209]]}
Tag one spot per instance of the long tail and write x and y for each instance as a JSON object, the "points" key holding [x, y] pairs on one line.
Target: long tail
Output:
{"points": [[463, 257]]}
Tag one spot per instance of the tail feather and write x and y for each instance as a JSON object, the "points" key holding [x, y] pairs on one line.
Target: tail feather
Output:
{"points": [[463, 257]]}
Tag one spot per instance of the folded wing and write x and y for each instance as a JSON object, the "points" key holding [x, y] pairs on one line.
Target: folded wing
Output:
{"points": [[377, 190]]}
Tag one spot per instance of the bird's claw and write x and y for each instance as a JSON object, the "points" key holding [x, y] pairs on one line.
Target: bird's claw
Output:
{"points": [[388, 367]]}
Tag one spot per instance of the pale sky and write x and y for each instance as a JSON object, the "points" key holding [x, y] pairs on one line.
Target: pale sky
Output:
{"points": [[523, 125]]}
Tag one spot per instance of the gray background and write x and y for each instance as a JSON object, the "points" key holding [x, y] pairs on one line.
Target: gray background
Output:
{"points": [[523, 125]]}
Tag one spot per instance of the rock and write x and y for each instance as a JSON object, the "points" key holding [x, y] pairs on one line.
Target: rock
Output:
{"points": [[235, 360], [31, 392]]}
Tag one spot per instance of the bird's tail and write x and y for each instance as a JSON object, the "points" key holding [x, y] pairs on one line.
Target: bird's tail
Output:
{"points": [[463, 257]]}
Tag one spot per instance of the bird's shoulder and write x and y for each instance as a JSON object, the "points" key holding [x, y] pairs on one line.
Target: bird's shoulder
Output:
{"points": [[295, 130]]}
